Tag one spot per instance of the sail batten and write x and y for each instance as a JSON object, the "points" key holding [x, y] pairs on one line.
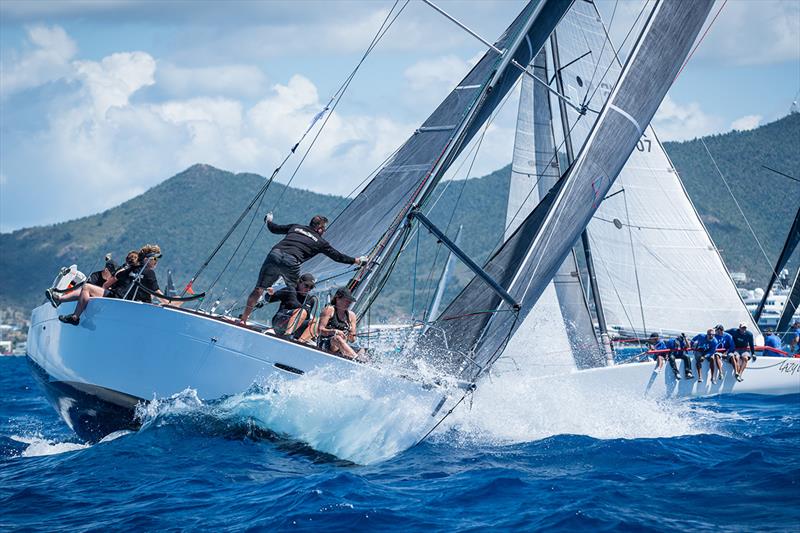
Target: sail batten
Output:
{"points": [[531, 257]]}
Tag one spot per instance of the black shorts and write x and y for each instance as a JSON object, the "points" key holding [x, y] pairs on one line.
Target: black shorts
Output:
{"points": [[280, 321], [278, 265]]}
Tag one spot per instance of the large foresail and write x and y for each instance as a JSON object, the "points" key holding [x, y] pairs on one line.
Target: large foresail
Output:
{"points": [[792, 240], [376, 214], [559, 330], [477, 325], [657, 268]]}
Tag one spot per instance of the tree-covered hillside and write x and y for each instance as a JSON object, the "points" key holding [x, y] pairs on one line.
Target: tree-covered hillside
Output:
{"points": [[188, 214]]}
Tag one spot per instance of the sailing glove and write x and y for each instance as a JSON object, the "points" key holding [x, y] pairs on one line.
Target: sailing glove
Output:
{"points": [[268, 218], [362, 260]]}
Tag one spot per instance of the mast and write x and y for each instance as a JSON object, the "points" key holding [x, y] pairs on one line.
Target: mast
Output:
{"points": [[587, 249], [485, 85], [788, 248]]}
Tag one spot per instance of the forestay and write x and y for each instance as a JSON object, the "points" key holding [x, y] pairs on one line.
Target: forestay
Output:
{"points": [[368, 224], [477, 325]]}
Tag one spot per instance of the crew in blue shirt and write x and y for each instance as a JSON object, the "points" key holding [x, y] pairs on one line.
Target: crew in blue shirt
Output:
{"points": [[771, 341], [677, 350], [744, 350], [657, 345], [792, 339], [725, 341], [705, 347]]}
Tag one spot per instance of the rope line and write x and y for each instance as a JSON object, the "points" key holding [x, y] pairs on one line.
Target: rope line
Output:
{"points": [[739, 207]]}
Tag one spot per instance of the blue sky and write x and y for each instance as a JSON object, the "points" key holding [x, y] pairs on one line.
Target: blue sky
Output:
{"points": [[103, 99]]}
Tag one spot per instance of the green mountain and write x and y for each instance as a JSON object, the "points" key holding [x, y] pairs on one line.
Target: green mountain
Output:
{"points": [[190, 212]]}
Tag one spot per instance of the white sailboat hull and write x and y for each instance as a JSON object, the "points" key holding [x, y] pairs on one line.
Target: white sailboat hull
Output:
{"points": [[124, 352], [767, 375]]}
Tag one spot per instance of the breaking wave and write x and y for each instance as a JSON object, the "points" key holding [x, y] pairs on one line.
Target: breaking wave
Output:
{"points": [[352, 416]]}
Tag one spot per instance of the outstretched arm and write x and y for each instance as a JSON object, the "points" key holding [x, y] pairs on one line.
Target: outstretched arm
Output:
{"points": [[338, 256]]}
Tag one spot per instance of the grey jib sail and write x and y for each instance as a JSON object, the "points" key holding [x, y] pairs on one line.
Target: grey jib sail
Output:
{"points": [[792, 240], [560, 323], [474, 329], [367, 224]]}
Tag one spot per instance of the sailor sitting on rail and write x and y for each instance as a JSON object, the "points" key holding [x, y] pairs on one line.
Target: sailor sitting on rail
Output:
{"points": [[658, 347], [705, 347], [337, 327], [744, 349], [295, 314], [725, 341], [793, 339], [138, 271], [771, 341], [284, 259], [677, 350], [95, 278]]}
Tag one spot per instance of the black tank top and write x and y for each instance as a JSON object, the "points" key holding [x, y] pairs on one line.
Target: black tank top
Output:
{"points": [[335, 323]]}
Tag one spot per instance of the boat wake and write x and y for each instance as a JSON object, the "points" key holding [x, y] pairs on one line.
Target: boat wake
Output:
{"points": [[348, 416], [512, 409], [39, 446]]}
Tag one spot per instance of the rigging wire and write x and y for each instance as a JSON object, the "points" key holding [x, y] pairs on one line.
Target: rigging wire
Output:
{"points": [[616, 50], [700, 40], [739, 207], [633, 257], [600, 55], [333, 102]]}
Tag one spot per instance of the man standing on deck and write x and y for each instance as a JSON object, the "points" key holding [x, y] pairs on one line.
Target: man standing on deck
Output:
{"points": [[284, 259], [743, 349]]}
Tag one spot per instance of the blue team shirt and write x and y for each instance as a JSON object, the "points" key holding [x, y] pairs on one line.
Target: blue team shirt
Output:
{"points": [[773, 341], [725, 341], [705, 345]]}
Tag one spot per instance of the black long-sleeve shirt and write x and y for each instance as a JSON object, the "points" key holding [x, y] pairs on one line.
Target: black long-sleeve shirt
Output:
{"points": [[290, 299], [742, 340], [303, 243]]}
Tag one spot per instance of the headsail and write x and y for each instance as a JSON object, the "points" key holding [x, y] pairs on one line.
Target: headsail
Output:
{"points": [[527, 261], [560, 325], [376, 215], [789, 246], [657, 268]]}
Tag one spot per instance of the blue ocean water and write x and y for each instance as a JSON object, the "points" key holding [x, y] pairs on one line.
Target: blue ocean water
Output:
{"points": [[519, 459]]}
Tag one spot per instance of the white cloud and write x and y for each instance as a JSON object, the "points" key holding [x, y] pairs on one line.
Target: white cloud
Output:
{"points": [[46, 58], [222, 80], [678, 122], [441, 71], [117, 146], [747, 122], [754, 33], [113, 80]]}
